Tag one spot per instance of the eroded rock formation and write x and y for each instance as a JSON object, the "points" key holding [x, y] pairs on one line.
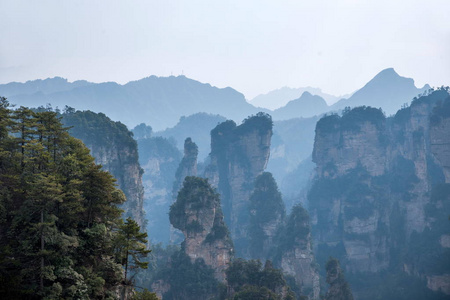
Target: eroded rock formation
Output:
{"points": [[267, 213], [238, 155], [380, 187], [295, 254], [112, 145], [339, 289], [188, 165], [197, 213]]}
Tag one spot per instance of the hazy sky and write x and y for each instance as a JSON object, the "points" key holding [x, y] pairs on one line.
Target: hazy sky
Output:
{"points": [[253, 46]]}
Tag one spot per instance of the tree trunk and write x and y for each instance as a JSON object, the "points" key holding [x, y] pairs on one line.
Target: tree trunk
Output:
{"points": [[42, 249]]}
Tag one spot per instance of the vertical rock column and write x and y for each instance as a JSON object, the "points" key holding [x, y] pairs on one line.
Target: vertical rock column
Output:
{"points": [[238, 155], [197, 213], [295, 254], [187, 167]]}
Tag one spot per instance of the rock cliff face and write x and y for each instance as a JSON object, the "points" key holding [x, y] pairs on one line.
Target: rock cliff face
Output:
{"points": [[197, 213], [112, 146], [159, 158], [267, 213], [372, 197], [339, 289], [348, 151], [295, 254], [188, 165], [238, 155]]}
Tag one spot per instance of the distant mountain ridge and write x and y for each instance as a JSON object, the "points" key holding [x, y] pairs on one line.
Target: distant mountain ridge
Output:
{"points": [[306, 106], [161, 101], [280, 97], [46, 86], [387, 90], [157, 101], [197, 127]]}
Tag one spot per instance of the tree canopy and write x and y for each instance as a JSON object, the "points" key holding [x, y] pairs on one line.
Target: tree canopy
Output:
{"points": [[59, 220]]}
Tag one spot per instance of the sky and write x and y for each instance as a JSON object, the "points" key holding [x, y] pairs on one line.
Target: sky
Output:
{"points": [[254, 46]]}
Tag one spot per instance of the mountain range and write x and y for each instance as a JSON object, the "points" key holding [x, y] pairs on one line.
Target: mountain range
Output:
{"points": [[387, 90], [280, 97], [161, 101], [157, 101]]}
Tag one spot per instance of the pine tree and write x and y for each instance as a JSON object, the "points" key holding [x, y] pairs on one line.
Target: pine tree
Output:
{"points": [[59, 219], [131, 247], [339, 288]]}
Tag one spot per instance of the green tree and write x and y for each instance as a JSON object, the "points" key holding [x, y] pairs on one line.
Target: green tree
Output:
{"points": [[339, 288], [249, 280], [131, 247], [59, 218], [145, 295], [266, 208]]}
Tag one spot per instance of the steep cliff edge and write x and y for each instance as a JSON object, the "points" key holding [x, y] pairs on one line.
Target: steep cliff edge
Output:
{"points": [[238, 155], [339, 289], [187, 167], [373, 202], [197, 213], [294, 252], [267, 214], [112, 145]]}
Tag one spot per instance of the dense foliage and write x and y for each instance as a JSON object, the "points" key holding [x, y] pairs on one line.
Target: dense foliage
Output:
{"points": [[196, 194], [266, 208], [59, 220], [339, 288], [351, 120], [97, 129], [296, 232], [142, 131], [113, 146], [261, 122], [187, 280], [249, 280]]}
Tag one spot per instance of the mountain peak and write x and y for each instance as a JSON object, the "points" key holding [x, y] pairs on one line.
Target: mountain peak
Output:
{"points": [[306, 94], [387, 74], [388, 71], [387, 90], [391, 78]]}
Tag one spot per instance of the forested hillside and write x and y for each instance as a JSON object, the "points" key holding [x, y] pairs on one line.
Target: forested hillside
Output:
{"points": [[61, 231]]}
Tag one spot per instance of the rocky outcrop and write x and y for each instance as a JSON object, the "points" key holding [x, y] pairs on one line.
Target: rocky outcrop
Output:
{"points": [[267, 213], [380, 186], [356, 138], [339, 289], [238, 155], [188, 165], [439, 283], [112, 145], [197, 213], [344, 209], [295, 254]]}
